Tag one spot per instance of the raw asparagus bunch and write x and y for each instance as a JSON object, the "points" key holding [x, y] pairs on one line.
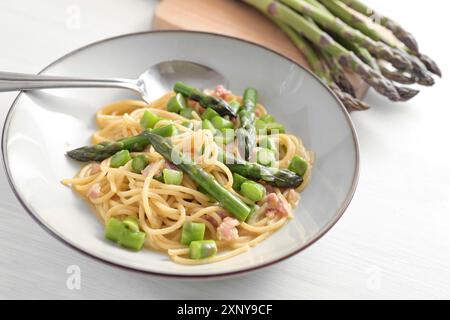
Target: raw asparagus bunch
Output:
{"points": [[342, 38]]}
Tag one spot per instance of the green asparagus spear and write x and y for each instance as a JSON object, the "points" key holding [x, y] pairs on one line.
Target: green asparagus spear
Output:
{"points": [[395, 75], [281, 178], [247, 132], [346, 58], [227, 200], [348, 16], [107, 149], [404, 36], [273, 176], [318, 67], [218, 105], [330, 22]]}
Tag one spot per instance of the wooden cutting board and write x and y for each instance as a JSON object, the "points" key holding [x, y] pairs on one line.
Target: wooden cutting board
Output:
{"points": [[232, 18]]}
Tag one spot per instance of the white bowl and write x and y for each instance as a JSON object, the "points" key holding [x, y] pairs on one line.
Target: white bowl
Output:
{"points": [[42, 125]]}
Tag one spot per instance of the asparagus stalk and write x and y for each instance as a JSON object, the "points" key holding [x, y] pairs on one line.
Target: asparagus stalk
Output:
{"points": [[345, 58], [281, 178], [227, 200], [395, 75], [107, 149], [247, 131], [330, 22], [218, 105], [348, 16], [317, 66], [404, 36], [404, 92], [276, 177], [338, 75]]}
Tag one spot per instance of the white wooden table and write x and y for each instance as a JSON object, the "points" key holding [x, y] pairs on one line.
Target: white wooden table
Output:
{"points": [[393, 242]]}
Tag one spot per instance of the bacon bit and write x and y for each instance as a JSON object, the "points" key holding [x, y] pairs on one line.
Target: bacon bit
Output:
{"points": [[191, 103], [95, 168], [293, 197], [223, 93], [95, 191], [236, 122], [211, 220], [222, 214], [227, 230], [275, 206], [170, 165], [269, 188]]}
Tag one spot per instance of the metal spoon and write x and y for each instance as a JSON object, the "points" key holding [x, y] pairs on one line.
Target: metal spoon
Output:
{"points": [[151, 84]]}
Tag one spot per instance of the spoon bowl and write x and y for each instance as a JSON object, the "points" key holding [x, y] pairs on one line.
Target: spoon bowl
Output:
{"points": [[151, 84]]}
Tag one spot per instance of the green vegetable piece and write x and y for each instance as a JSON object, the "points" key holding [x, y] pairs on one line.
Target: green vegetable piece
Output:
{"points": [[265, 157], [149, 119], [132, 240], [209, 114], [238, 180], [172, 177], [139, 163], [222, 123], [202, 249], [187, 113], [275, 128], [177, 103], [253, 191], [224, 137], [192, 231], [120, 159], [207, 125], [166, 131], [114, 229], [131, 223], [268, 118], [298, 165]]}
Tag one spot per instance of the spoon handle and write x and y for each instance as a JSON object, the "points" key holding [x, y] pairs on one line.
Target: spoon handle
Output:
{"points": [[10, 81]]}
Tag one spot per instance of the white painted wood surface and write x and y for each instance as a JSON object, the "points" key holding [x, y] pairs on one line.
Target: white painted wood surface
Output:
{"points": [[393, 242]]}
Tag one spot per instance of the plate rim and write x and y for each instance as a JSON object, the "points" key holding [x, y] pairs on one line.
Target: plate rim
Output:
{"points": [[340, 212]]}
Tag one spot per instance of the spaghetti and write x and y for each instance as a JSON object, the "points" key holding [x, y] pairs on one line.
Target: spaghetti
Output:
{"points": [[163, 209]]}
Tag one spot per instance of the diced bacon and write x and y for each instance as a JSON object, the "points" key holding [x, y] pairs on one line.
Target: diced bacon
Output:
{"points": [[271, 213], [236, 122], [95, 168], [192, 103], [269, 188], [275, 206], [211, 220], [227, 230], [95, 191], [170, 165], [223, 93], [222, 214]]}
